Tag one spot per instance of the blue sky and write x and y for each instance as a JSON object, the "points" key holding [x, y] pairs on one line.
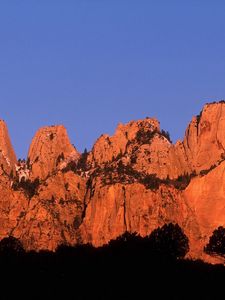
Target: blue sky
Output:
{"points": [[91, 64]]}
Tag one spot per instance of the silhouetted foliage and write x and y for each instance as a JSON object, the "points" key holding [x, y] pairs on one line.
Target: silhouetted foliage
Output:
{"points": [[29, 187], [130, 240], [120, 155], [77, 250], [205, 172], [127, 268], [145, 136], [120, 173], [169, 240], [133, 158], [28, 163], [82, 162], [78, 166], [216, 243], [166, 134], [151, 181], [10, 246], [215, 102], [71, 166], [127, 174], [182, 181], [212, 167]]}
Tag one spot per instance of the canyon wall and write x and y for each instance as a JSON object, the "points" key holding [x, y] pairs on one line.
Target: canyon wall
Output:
{"points": [[135, 180]]}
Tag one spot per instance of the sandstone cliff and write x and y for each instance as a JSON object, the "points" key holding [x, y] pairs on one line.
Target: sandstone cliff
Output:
{"points": [[50, 148], [204, 140], [114, 209], [53, 215], [7, 154], [135, 180], [144, 146]]}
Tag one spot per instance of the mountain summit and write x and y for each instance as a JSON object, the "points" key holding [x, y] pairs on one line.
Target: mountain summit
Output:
{"points": [[135, 180]]}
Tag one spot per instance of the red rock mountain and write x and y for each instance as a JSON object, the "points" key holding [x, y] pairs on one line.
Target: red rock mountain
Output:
{"points": [[7, 154], [49, 148], [135, 180]]}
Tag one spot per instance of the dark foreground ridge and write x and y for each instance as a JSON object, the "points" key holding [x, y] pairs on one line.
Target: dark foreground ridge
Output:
{"points": [[130, 267]]}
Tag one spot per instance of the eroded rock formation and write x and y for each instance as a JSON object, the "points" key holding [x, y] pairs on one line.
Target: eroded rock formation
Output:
{"points": [[7, 154], [204, 140], [49, 149], [135, 180]]}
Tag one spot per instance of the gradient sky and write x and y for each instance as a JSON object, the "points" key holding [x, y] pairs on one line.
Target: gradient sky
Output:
{"points": [[90, 64]]}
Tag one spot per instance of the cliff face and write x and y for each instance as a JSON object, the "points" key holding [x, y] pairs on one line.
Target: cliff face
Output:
{"points": [[132, 181], [13, 205], [7, 154], [205, 196], [204, 140], [49, 149], [116, 208], [54, 214], [144, 146], [108, 148]]}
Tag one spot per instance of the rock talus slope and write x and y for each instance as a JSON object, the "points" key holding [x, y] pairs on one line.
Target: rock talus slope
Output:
{"points": [[135, 180]]}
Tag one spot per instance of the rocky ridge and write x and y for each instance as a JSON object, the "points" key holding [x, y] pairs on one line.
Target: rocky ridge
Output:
{"points": [[135, 180]]}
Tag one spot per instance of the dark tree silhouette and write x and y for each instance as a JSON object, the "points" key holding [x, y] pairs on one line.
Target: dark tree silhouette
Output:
{"points": [[145, 137], [10, 246], [216, 243], [166, 134], [151, 181], [82, 163], [30, 187], [169, 240], [126, 268], [126, 237]]}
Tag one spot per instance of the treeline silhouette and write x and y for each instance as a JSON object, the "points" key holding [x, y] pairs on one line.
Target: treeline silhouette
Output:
{"points": [[216, 245], [129, 267]]}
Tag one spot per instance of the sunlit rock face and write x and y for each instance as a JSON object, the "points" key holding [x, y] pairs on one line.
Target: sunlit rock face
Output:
{"points": [[7, 154], [134, 180], [204, 140], [50, 148], [142, 145], [107, 148], [116, 208], [13, 205], [54, 214], [205, 196]]}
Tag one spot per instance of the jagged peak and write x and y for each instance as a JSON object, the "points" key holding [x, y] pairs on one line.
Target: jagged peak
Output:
{"points": [[152, 123], [7, 153], [208, 107], [130, 129], [52, 128], [50, 147]]}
